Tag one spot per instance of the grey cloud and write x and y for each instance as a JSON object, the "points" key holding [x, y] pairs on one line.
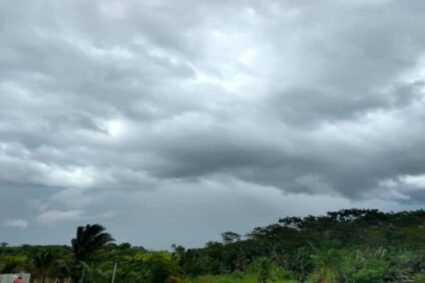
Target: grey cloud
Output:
{"points": [[109, 107]]}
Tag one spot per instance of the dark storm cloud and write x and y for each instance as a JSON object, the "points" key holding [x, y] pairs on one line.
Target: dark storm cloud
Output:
{"points": [[114, 109]]}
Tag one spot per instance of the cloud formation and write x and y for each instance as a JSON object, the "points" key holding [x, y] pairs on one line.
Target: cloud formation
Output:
{"points": [[146, 112], [16, 223]]}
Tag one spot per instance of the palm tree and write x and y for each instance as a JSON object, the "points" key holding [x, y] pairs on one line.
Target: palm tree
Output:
{"points": [[42, 263], [88, 240]]}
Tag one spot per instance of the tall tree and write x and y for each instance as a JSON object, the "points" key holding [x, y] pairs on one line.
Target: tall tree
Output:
{"points": [[88, 240]]}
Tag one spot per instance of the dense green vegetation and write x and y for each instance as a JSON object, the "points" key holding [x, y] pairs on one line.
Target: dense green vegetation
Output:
{"points": [[346, 246]]}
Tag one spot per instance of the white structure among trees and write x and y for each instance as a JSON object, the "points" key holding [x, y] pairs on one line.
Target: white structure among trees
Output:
{"points": [[9, 278]]}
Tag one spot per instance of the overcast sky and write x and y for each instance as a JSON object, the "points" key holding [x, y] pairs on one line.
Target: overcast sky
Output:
{"points": [[173, 121]]}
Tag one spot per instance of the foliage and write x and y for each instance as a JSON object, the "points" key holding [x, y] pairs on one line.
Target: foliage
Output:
{"points": [[88, 240], [347, 246], [42, 264], [159, 269]]}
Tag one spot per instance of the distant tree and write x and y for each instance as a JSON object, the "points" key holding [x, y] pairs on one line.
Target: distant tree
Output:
{"points": [[230, 237], [124, 246], [178, 254]]}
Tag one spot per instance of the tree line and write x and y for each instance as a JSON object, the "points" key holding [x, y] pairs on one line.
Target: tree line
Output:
{"points": [[352, 245]]}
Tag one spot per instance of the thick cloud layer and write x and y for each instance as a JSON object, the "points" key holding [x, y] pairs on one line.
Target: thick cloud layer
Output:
{"points": [[172, 122]]}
